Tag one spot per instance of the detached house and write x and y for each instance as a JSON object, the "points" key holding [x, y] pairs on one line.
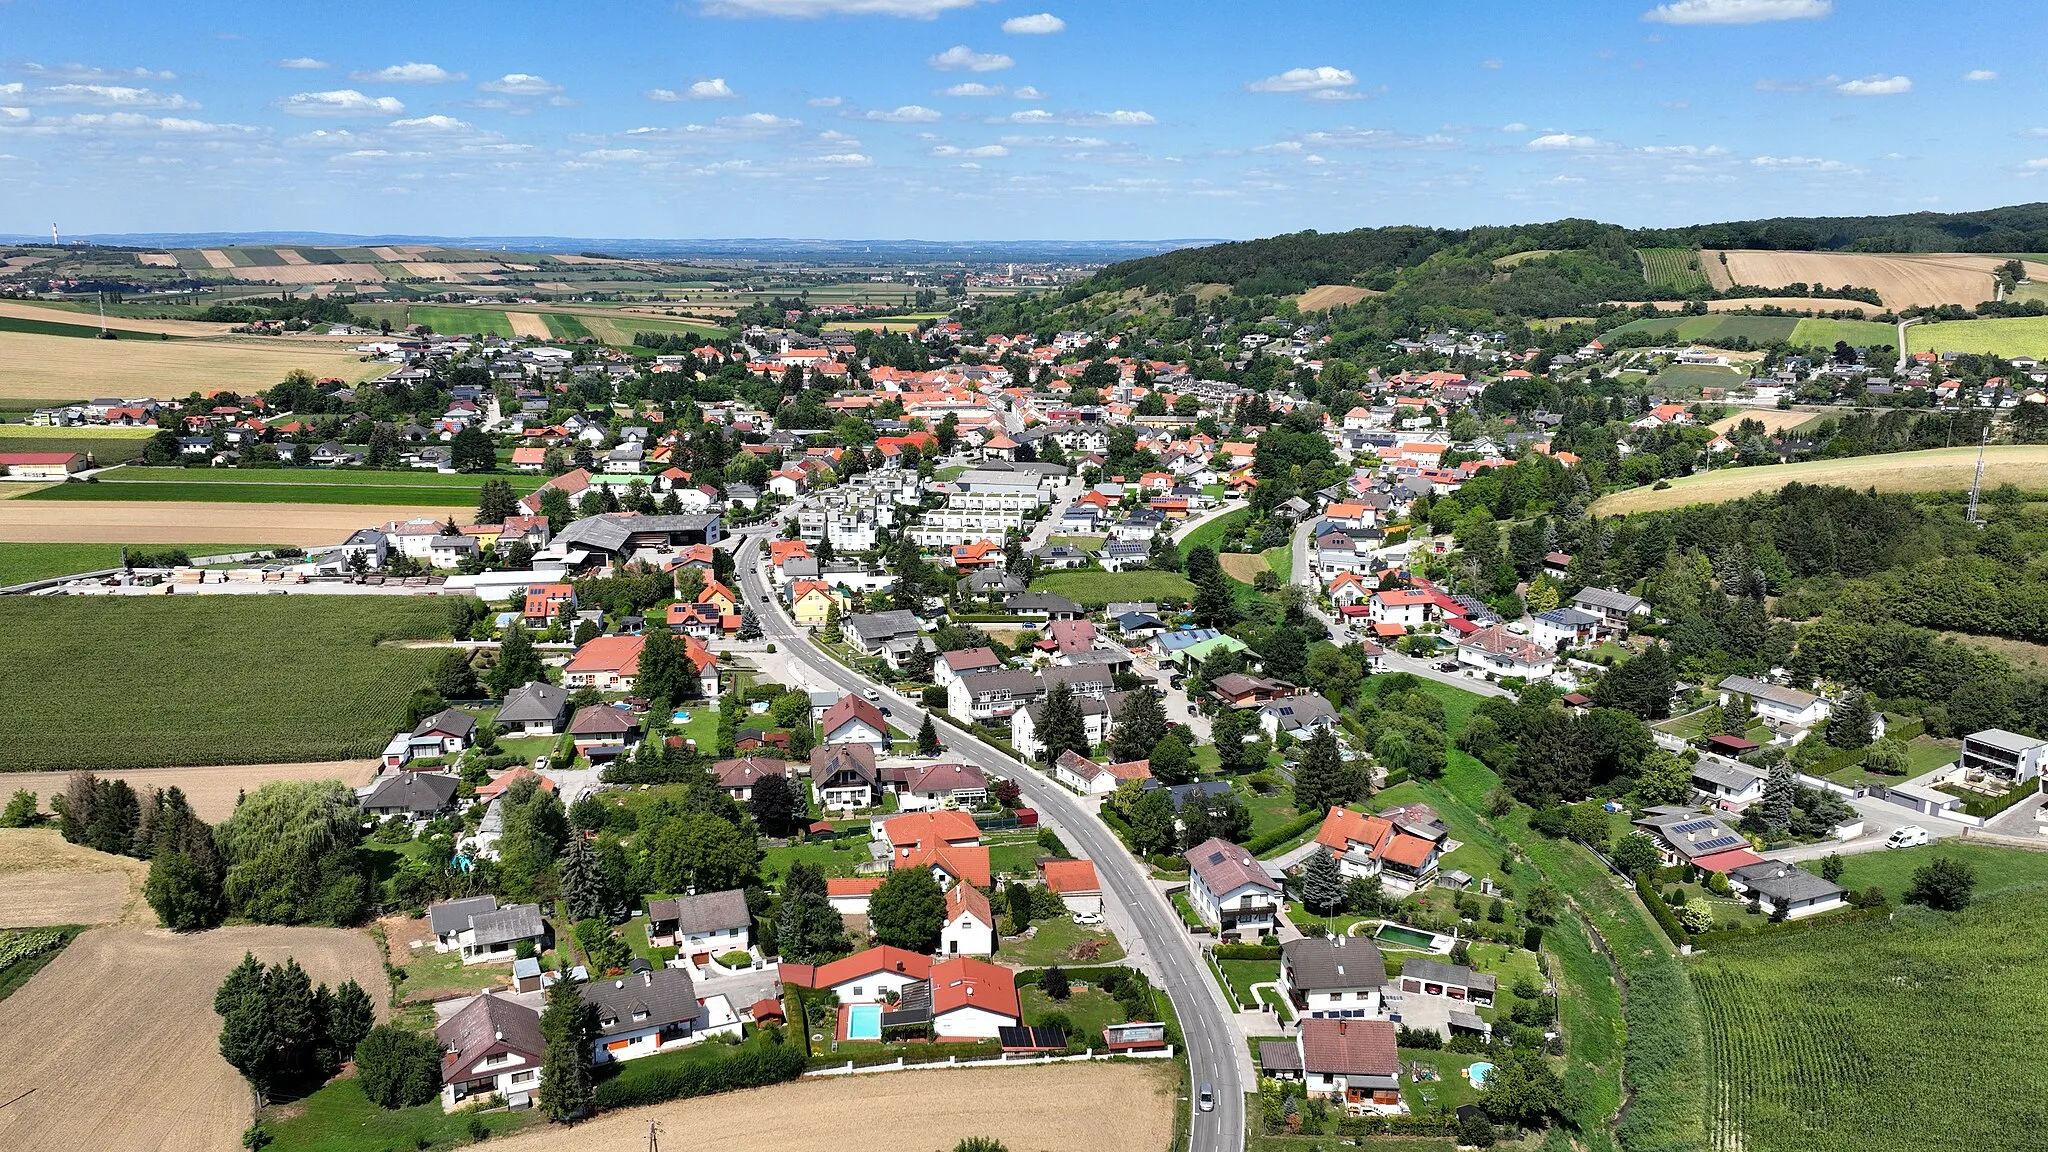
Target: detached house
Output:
{"points": [[536, 709], [492, 1047], [1618, 611], [970, 925], [1404, 861], [485, 933], [1494, 652], [607, 663], [1333, 976], [1230, 890], [648, 1012], [1776, 703], [854, 721], [706, 924], [843, 775], [1351, 1062]]}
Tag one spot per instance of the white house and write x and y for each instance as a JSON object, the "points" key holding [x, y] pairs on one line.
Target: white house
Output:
{"points": [[970, 925], [643, 1013], [493, 1046], [1352, 1062], [1778, 885], [854, 721], [1730, 782], [2007, 755], [1774, 702], [1230, 890], [484, 932], [1494, 652], [1406, 607], [868, 977], [1342, 976], [973, 999], [708, 923]]}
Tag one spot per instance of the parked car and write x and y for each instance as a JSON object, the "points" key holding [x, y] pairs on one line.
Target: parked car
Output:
{"points": [[1911, 836], [1447, 666]]}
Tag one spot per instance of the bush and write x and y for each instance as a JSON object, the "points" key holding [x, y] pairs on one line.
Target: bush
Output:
{"points": [[1283, 834], [1247, 952], [1660, 909], [397, 1067]]}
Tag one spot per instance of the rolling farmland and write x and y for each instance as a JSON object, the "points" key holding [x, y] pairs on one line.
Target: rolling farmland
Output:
{"points": [[1854, 333], [1677, 269], [1935, 470], [44, 368], [1902, 281], [135, 682], [1813, 1046], [173, 522], [2010, 336], [20, 563], [281, 486], [1721, 330]]}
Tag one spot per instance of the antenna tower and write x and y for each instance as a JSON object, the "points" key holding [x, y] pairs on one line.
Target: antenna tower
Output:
{"points": [[1977, 485]]}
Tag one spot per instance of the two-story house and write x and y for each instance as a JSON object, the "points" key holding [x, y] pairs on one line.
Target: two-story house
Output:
{"points": [[1341, 976], [1230, 890]]}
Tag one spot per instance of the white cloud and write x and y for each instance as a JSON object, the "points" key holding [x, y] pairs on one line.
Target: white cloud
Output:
{"points": [[1876, 86], [304, 63], [908, 114], [1042, 24], [88, 74], [810, 9], [1516, 127], [603, 155], [713, 89], [961, 58], [2038, 164], [1563, 141], [1333, 95], [1811, 163], [1737, 11], [520, 84], [11, 113], [435, 123], [409, 73], [845, 160], [984, 151], [971, 88], [826, 101], [1493, 65], [1305, 80], [759, 122], [1980, 75], [1083, 142], [340, 102], [1028, 92], [1119, 118], [110, 96]]}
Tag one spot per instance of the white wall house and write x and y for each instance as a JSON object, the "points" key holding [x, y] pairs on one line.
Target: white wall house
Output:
{"points": [[1230, 890], [1341, 976]]}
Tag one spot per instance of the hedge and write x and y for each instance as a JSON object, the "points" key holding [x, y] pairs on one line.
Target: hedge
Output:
{"points": [[701, 1071], [925, 1052], [1030, 977], [1247, 951], [1825, 920], [1660, 911], [1281, 835], [1985, 807], [1437, 1124]]}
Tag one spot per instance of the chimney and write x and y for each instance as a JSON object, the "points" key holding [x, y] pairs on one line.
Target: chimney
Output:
{"points": [[498, 1034]]}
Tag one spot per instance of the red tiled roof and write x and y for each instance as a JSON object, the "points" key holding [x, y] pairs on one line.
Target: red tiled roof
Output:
{"points": [[1349, 1047], [870, 962], [965, 982], [1075, 877]]}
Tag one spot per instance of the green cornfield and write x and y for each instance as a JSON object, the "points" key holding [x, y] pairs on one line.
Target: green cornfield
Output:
{"points": [[1914, 1034], [92, 683], [1677, 269]]}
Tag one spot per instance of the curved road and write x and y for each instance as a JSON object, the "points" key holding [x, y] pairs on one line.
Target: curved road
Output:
{"points": [[1216, 1054]]}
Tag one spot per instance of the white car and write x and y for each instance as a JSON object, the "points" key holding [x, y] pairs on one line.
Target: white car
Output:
{"points": [[1911, 836], [871, 694]]}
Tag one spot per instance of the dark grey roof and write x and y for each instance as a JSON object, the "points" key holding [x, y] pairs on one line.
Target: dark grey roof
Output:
{"points": [[1783, 883], [1279, 1056], [1765, 690], [450, 720], [1439, 972], [1725, 773], [609, 533], [704, 912], [874, 627], [535, 701], [453, 915], [1041, 602], [513, 922], [419, 792], [1611, 599], [644, 1000], [1334, 962]]}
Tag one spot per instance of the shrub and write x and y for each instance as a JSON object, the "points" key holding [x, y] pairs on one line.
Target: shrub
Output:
{"points": [[397, 1067], [702, 1071]]}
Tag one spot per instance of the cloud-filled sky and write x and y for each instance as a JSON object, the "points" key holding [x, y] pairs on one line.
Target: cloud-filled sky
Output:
{"points": [[1002, 119]]}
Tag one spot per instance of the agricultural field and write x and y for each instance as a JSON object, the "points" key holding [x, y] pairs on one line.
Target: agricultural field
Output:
{"points": [[1688, 379], [2011, 336], [1913, 1033], [133, 682], [613, 326], [1773, 419], [1243, 567], [1755, 303], [1060, 1106], [27, 951], [105, 446], [162, 1085], [1825, 334], [1677, 269], [45, 880], [1721, 330], [78, 314], [1902, 281], [1324, 297], [1093, 589], [212, 790], [1934, 470], [307, 524], [283, 485], [40, 369]]}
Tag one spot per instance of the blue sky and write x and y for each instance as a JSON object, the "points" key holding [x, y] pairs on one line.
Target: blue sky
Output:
{"points": [[1001, 119]]}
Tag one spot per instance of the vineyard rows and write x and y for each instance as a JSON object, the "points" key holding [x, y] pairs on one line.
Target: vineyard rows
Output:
{"points": [[1677, 269]]}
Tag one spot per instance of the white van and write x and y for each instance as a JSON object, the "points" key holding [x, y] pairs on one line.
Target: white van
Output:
{"points": [[1910, 836]]}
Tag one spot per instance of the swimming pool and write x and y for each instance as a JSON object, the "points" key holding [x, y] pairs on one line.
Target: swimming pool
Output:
{"points": [[1477, 1073], [864, 1022], [1412, 937]]}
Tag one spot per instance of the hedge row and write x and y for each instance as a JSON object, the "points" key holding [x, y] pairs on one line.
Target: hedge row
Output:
{"points": [[1843, 758], [1281, 835], [710, 1068], [1825, 920], [1247, 951], [1438, 1124], [1646, 887], [1031, 977], [915, 1052]]}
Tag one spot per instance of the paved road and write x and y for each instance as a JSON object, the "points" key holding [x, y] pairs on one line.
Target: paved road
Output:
{"points": [[1156, 938]]}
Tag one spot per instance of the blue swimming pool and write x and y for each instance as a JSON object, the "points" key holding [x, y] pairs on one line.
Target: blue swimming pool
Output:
{"points": [[864, 1022], [1477, 1074]]}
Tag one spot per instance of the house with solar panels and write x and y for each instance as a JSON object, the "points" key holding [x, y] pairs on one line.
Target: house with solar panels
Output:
{"points": [[1695, 837]]}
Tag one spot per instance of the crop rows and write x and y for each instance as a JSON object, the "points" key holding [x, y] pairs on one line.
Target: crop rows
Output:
{"points": [[1677, 269], [167, 681]]}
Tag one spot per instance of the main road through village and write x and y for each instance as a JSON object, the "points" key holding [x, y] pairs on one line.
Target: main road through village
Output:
{"points": [[1157, 940]]}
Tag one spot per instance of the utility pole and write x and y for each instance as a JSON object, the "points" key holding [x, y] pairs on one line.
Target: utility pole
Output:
{"points": [[653, 1136], [1977, 485]]}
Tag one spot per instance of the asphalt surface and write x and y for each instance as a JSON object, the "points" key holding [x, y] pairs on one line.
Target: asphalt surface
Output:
{"points": [[1156, 939]]}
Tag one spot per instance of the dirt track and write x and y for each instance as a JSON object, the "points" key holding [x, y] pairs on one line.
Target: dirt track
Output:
{"points": [[1059, 1108], [178, 522], [44, 880], [211, 790], [114, 1042]]}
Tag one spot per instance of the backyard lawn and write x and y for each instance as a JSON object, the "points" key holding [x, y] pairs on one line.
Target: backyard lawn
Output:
{"points": [[836, 857], [1242, 974], [1088, 1009], [339, 1118], [1013, 855], [1061, 941]]}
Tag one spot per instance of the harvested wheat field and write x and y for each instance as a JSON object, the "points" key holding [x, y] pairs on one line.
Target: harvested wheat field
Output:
{"points": [[313, 273], [114, 1043], [1061, 1108], [46, 880], [1935, 470], [1326, 296], [1243, 566], [177, 522], [157, 259], [1773, 419], [528, 324], [211, 790], [55, 368], [1903, 281], [290, 257], [1788, 303], [215, 258], [19, 310]]}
